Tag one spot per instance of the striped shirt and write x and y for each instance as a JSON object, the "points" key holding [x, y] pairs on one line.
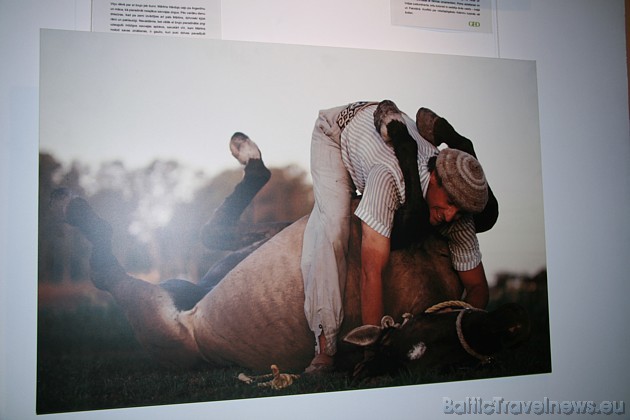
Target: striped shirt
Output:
{"points": [[374, 169]]}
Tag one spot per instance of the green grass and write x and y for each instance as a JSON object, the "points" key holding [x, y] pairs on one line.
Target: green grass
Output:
{"points": [[89, 360]]}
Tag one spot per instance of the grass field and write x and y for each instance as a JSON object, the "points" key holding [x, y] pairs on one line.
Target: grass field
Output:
{"points": [[89, 360]]}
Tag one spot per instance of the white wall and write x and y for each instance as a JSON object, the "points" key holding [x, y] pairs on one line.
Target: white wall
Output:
{"points": [[579, 47]]}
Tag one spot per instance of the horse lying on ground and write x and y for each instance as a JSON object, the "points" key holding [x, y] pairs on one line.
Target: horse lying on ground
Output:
{"points": [[249, 312]]}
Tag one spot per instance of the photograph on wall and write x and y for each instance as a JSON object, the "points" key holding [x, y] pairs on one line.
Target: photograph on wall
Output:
{"points": [[186, 189]]}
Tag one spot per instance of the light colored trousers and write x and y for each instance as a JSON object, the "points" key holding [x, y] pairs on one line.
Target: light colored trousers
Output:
{"points": [[325, 244]]}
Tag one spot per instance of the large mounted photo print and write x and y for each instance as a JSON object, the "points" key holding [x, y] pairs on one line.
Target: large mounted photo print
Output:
{"points": [[170, 247]]}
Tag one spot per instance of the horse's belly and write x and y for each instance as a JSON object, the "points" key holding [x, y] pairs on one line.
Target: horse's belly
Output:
{"points": [[255, 316]]}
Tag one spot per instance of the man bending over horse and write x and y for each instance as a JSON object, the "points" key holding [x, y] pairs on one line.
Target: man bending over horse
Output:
{"points": [[407, 187]]}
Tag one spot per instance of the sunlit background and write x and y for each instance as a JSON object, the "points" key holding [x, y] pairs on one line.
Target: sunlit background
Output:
{"points": [[153, 116]]}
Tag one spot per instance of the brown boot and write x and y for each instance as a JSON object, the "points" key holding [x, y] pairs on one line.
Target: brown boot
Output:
{"points": [[321, 363]]}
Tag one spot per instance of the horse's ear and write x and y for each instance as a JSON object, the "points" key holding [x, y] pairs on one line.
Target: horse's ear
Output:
{"points": [[364, 335]]}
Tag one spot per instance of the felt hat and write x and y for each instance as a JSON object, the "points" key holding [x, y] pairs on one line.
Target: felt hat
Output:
{"points": [[463, 179]]}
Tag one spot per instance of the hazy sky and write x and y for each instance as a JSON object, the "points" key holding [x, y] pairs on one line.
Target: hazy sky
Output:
{"points": [[136, 98]]}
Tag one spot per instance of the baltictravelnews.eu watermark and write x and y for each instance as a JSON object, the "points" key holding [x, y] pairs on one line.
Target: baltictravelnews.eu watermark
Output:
{"points": [[498, 405]]}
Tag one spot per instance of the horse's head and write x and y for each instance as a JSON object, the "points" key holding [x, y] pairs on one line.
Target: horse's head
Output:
{"points": [[433, 340]]}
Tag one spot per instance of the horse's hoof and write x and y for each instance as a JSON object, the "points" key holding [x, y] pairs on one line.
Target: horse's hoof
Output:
{"points": [[425, 122], [79, 214], [386, 112], [243, 148], [58, 203]]}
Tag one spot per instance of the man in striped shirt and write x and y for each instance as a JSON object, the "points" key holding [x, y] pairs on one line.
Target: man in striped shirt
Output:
{"points": [[351, 151]]}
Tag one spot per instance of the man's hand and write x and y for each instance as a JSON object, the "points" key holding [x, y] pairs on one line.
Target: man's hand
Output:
{"points": [[476, 285], [374, 258]]}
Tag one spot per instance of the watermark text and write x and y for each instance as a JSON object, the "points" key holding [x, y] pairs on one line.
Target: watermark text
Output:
{"points": [[498, 405]]}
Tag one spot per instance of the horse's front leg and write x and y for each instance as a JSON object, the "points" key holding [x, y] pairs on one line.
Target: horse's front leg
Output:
{"points": [[408, 226]]}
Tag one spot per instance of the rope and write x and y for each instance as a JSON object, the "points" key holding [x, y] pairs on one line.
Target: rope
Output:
{"points": [[460, 334], [251, 379], [448, 304], [279, 381], [466, 307]]}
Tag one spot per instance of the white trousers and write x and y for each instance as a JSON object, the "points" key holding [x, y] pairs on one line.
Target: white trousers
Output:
{"points": [[325, 245]]}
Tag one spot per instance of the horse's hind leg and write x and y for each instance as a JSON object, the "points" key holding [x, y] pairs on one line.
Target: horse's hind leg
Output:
{"points": [[105, 269], [158, 325], [221, 232], [217, 271]]}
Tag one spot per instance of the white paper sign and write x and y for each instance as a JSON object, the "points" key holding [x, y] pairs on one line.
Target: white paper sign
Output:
{"points": [[189, 18], [459, 15]]}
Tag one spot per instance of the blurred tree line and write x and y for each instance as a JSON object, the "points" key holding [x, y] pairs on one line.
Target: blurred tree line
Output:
{"points": [[156, 213]]}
